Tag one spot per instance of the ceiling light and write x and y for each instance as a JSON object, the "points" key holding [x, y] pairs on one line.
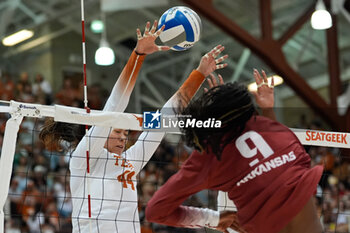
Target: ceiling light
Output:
{"points": [[104, 55], [97, 26], [277, 80], [17, 37], [321, 19]]}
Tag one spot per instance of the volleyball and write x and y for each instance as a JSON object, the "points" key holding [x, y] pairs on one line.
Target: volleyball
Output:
{"points": [[182, 28]]}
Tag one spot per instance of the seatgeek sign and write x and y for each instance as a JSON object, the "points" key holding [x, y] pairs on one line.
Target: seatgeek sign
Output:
{"points": [[323, 138]]}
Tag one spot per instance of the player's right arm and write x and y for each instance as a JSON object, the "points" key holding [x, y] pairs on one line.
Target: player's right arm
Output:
{"points": [[120, 95], [140, 153]]}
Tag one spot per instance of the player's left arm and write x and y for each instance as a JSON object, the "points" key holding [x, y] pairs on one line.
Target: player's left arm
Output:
{"points": [[165, 205], [147, 143]]}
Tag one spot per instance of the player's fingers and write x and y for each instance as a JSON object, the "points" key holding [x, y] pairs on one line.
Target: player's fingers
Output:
{"points": [[216, 48], [213, 49], [221, 59], [258, 78], [218, 51], [138, 33], [147, 28], [262, 84], [264, 76], [163, 48], [160, 30], [220, 66], [213, 79], [205, 90], [221, 80], [210, 83], [211, 52], [154, 26], [272, 85]]}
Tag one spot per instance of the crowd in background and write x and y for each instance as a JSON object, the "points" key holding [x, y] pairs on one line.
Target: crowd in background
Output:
{"points": [[39, 196]]}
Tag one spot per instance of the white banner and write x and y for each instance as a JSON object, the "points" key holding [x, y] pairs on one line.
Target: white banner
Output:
{"points": [[322, 138], [98, 118]]}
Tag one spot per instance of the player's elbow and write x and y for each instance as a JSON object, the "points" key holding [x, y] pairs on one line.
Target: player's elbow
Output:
{"points": [[153, 214]]}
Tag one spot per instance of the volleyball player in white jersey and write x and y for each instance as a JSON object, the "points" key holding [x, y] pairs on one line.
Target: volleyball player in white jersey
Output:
{"points": [[113, 172]]}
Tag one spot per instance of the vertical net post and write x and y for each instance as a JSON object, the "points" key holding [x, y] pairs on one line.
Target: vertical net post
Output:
{"points": [[87, 111]]}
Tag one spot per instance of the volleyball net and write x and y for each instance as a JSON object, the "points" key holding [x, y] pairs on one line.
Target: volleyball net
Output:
{"points": [[36, 194]]}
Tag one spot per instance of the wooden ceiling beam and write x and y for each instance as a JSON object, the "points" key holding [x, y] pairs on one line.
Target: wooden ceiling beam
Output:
{"points": [[266, 20], [270, 51], [305, 17]]}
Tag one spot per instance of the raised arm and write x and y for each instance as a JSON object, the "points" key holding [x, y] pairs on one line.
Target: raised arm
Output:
{"points": [[165, 205], [140, 153], [264, 96], [120, 95]]}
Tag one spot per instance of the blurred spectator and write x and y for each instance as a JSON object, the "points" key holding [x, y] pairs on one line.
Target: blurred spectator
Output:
{"points": [[95, 96], [68, 95], [7, 87], [42, 89], [24, 79], [12, 227], [23, 90]]}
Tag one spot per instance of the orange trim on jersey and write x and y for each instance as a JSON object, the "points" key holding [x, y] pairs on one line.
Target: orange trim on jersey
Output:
{"points": [[129, 74], [192, 84]]}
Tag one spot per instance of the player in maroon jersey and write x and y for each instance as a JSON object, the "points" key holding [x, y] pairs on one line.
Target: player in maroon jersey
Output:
{"points": [[258, 161]]}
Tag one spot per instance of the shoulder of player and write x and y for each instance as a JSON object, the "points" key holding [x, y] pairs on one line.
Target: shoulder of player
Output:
{"points": [[197, 161], [261, 122]]}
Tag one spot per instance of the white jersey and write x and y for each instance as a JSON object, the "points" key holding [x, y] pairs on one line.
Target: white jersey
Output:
{"points": [[111, 182], [112, 188]]}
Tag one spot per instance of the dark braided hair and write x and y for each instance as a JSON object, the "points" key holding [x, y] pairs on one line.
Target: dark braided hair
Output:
{"points": [[231, 103], [52, 133]]}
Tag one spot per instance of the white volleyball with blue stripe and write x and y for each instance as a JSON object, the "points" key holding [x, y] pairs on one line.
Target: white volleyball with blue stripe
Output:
{"points": [[182, 28]]}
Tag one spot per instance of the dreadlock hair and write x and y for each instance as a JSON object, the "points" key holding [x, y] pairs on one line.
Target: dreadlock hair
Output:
{"points": [[231, 103], [54, 132]]}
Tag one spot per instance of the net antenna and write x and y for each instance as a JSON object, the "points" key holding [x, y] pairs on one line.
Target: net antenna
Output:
{"points": [[88, 174]]}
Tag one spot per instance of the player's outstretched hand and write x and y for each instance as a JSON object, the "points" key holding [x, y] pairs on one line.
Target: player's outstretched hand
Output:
{"points": [[264, 95], [229, 219], [209, 63], [146, 42], [212, 81]]}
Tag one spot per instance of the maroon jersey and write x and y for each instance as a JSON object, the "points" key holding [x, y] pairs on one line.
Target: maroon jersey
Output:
{"points": [[265, 171]]}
